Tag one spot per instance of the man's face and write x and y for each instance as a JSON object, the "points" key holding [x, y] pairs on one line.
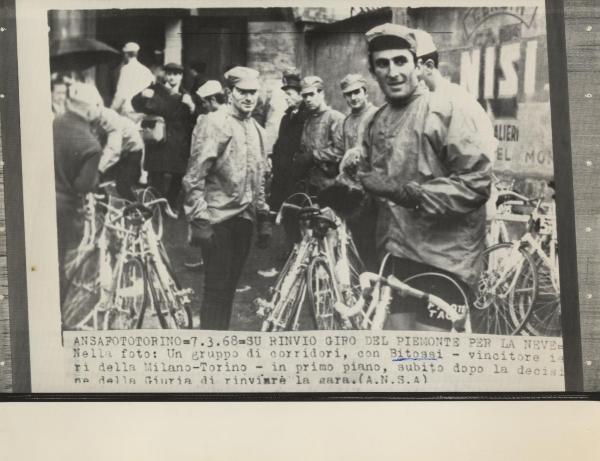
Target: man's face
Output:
{"points": [[426, 73], [396, 72], [209, 104], [356, 99], [59, 93], [173, 78], [292, 97], [129, 55], [313, 99], [244, 100]]}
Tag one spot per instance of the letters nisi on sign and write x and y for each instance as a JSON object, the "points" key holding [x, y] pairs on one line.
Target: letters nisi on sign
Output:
{"points": [[498, 68]]}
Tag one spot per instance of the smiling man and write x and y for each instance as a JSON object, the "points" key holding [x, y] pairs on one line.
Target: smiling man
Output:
{"points": [[225, 194], [429, 169]]}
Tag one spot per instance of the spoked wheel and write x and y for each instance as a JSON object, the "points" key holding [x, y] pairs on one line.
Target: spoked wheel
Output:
{"points": [[129, 301], [506, 291], [321, 292], [287, 311], [82, 293], [170, 303], [545, 317]]}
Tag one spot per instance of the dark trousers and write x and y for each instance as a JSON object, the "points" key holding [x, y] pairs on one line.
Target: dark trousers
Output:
{"points": [[126, 173], [167, 184], [224, 258]]}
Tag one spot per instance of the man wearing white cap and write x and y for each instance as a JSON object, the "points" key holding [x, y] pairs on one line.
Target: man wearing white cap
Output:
{"points": [[458, 96], [429, 169], [76, 156], [322, 144], [226, 195], [212, 98], [133, 78]]}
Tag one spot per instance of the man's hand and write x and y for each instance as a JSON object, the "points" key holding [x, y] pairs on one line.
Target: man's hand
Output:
{"points": [[350, 161], [201, 232], [188, 101], [264, 230], [383, 186], [378, 184]]}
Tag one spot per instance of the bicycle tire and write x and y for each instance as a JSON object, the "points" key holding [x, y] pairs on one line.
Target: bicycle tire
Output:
{"points": [[322, 301], [545, 316], [171, 312], [494, 312], [287, 308], [147, 195], [444, 287], [82, 292], [275, 291], [130, 297]]}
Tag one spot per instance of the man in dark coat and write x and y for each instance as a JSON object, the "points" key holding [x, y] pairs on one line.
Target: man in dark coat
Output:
{"points": [[288, 140], [166, 161]]}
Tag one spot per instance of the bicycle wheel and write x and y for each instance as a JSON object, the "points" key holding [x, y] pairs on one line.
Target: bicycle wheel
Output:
{"points": [[545, 317], [129, 300], [146, 196], [286, 314], [82, 292], [321, 293], [506, 291], [169, 300], [449, 290], [275, 291]]}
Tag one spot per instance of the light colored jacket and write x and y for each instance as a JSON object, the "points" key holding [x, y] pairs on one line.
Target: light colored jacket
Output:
{"points": [[133, 78], [121, 134], [434, 145], [354, 125], [226, 170]]}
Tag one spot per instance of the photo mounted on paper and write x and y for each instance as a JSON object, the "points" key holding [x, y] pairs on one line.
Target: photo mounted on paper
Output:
{"points": [[306, 199]]}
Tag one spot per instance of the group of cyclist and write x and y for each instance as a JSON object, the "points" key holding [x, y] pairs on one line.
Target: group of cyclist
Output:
{"points": [[411, 177]]}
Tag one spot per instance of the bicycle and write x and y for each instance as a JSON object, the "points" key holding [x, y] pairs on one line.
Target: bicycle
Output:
{"points": [[124, 272], [371, 310], [519, 290], [324, 265], [93, 292]]}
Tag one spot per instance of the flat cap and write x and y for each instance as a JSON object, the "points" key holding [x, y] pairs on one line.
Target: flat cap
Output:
{"points": [[391, 36], [311, 83], [243, 78], [209, 88], [291, 79], [352, 82], [131, 47], [425, 43], [173, 67]]}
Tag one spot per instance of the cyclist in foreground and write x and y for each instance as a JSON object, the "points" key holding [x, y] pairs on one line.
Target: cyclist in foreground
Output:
{"points": [[426, 164], [225, 195]]}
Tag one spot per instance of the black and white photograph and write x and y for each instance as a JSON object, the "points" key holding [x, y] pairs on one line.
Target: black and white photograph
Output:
{"points": [[294, 199], [305, 168]]}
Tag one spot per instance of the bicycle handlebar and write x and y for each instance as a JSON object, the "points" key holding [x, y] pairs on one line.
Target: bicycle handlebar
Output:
{"points": [[367, 279]]}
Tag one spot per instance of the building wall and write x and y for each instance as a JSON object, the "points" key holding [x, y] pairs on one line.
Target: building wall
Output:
{"points": [[334, 51], [273, 46]]}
